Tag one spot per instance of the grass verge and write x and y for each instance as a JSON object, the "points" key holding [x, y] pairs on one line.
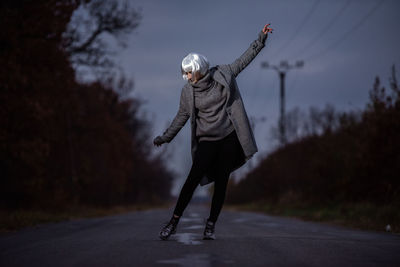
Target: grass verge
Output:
{"points": [[15, 220], [363, 216]]}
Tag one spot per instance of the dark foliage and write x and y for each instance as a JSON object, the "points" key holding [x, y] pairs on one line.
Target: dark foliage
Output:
{"points": [[64, 143], [338, 157]]}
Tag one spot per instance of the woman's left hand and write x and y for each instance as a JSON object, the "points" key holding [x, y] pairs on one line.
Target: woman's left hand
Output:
{"points": [[262, 36], [267, 29]]}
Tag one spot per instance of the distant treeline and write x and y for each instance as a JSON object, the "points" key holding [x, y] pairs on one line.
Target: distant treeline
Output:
{"points": [[63, 143], [333, 157]]}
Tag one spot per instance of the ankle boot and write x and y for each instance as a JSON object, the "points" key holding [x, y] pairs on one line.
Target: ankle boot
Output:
{"points": [[169, 229], [209, 231]]}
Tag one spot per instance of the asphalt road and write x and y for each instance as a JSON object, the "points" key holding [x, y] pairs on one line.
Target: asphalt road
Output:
{"points": [[243, 239]]}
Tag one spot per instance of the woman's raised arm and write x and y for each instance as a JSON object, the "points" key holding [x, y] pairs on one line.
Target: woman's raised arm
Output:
{"points": [[239, 64]]}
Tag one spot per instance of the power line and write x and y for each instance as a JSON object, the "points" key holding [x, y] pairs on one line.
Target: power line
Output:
{"points": [[355, 27], [347, 34], [314, 41], [310, 44], [301, 25]]}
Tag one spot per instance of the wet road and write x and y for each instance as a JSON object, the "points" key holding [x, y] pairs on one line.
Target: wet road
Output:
{"points": [[243, 239]]}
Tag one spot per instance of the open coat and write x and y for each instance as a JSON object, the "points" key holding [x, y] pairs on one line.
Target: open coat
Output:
{"points": [[226, 76]]}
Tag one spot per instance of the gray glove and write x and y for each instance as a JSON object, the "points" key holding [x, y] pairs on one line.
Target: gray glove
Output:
{"points": [[158, 141]]}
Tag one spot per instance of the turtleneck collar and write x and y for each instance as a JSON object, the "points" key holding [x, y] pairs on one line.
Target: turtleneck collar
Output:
{"points": [[203, 84]]}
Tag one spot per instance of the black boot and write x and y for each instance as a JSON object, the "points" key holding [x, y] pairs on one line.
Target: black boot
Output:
{"points": [[209, 231], [169, 228]]}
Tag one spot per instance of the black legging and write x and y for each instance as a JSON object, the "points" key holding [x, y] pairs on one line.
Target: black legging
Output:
{"points": [[218, 157]]}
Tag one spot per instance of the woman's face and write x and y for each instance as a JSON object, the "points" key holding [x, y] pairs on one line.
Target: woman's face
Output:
{"points": [[193, 78]]}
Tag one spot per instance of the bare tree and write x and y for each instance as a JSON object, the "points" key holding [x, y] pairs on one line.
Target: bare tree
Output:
{"points": [[293, 120], [394, 86], [295, 130], [317, 121], [96, 26]]}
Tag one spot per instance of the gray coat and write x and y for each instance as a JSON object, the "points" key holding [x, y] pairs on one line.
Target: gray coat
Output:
{"points": [[225, 75]]}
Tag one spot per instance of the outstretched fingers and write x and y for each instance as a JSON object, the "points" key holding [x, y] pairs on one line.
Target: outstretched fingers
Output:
{"points": [[267, 29]]}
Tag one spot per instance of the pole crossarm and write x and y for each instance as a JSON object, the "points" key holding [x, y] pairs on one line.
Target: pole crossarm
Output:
{"points": [[284, 65]]}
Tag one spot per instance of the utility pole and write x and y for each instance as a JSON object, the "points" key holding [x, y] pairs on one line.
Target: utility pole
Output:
{"points": [[282, 69]]}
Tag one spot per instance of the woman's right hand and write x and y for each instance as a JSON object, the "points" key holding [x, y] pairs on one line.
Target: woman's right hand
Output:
{"points": [[158, 141]]}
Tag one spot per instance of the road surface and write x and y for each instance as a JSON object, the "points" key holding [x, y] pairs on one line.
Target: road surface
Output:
{"points": [[243, 239]]}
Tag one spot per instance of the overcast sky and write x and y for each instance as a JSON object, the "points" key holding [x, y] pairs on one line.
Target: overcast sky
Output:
{"points": [[344, 45]]}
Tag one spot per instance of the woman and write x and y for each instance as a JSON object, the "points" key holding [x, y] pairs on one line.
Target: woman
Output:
{"points": [[222, 139]]}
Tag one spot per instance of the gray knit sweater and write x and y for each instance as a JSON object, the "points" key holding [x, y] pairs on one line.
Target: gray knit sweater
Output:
{"points": [[212, 121]]}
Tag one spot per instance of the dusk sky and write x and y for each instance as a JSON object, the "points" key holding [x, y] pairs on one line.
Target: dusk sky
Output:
{"points": [[344, 44]]}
